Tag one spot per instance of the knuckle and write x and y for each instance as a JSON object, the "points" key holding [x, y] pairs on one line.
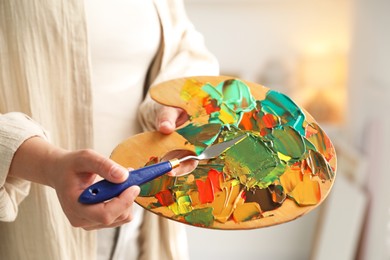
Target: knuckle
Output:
{"points": [[98, 162], [75, 224], [127, 203], [125, 218], [85, 153], [82, 155], [105, 219]]}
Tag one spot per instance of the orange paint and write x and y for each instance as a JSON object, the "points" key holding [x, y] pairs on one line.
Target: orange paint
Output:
{"points": [[246, 121], [306, 192], [290, 179]]}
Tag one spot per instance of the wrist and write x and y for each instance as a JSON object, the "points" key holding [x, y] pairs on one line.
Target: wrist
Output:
{"points": [[35, 161]]}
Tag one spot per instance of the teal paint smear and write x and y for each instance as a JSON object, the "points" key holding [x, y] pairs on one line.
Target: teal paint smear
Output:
{"points": [[282, 106], [237, 95], [233, 97], [213, 92]]}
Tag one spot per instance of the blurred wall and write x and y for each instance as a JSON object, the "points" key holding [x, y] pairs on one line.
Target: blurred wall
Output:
{"points": [[246, 35], [368, 121]]}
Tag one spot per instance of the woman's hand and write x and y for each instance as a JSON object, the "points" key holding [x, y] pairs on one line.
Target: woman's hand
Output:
{"points": [[168, 118], [69, 173]]}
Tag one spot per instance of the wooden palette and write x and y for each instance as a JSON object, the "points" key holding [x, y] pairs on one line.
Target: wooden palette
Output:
{"points": [[283, 169]]}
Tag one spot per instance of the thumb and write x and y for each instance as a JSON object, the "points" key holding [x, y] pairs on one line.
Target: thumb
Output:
{"points": [[170, 117], [106, 168], [117, 174]]}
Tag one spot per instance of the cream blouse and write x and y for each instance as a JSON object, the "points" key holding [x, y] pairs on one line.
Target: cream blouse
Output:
{"points": [[121, 54], [45, 76]]}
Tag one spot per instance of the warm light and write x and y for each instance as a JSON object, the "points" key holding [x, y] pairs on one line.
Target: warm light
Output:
{"points": [[323, 70], [322, 79]]}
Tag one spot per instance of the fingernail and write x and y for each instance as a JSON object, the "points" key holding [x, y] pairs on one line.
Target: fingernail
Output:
{"points": [[136, 191], [118, 172]]}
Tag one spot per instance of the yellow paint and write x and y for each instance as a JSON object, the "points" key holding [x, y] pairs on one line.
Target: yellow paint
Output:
{"points": [[194, 196], [229, 199], [290, 178], [307, 192], [191, 89], [181, 206], [284, 157], [247, 211], [226, 117]]}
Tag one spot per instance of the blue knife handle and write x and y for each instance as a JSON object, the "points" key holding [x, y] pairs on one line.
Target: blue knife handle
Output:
{"points": [[105, 190]]}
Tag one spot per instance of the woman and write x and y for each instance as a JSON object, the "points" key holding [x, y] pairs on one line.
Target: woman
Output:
{"points": [[55, 102]]}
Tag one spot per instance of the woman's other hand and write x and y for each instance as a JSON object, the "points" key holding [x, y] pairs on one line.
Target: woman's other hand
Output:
{"points": [[168, 118]]}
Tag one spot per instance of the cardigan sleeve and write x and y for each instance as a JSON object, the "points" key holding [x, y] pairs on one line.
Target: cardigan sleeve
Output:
{"points": [[15, 128], [183, 53]]}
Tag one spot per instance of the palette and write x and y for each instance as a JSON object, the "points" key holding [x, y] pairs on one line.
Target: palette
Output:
{"points": [[284, 167]]}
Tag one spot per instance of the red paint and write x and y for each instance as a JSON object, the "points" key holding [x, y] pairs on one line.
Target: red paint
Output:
{"points": [[246, 122], [210, 105], [270, 121], [215, 177], [206, 192], [165, 198], [208, 187], [264, 131], [243, 195]]}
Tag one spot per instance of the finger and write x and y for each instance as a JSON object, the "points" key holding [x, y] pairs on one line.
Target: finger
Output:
{"points": [[122, 219], [90, 161], [183, 117], [124, 201], [169, 118], [106, 213]]}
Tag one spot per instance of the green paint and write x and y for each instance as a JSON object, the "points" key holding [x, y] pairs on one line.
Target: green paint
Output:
{"points": [[282, 106], [200, 217], [289, 142], [309, 145], [253, 162], [201, 136], [155, 186]]}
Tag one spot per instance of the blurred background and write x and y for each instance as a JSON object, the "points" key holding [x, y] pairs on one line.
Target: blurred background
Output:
{"points": [[333, 58]]}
